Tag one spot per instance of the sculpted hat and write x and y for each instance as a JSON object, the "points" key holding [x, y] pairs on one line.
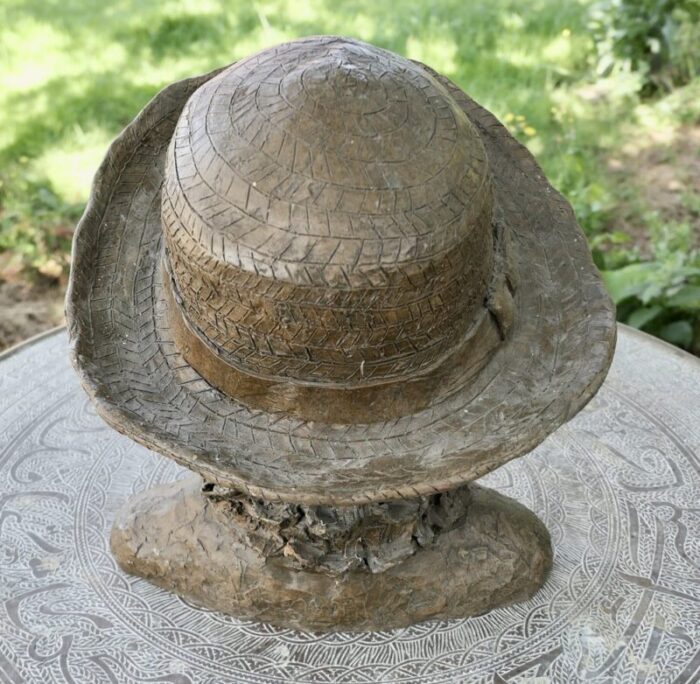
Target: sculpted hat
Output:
{"points": [[324, 274]]}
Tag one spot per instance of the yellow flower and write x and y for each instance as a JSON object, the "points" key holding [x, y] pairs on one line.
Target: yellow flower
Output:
{"points": [[509, 117], [529, 131], [566, 32], [520, 118]]}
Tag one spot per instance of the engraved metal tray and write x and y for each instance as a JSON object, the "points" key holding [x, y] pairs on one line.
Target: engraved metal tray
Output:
{"points": [[618, 488]]}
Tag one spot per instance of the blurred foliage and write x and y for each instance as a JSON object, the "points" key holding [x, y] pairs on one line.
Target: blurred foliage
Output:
{"points": [[73, 73], [36, 229], [660, 295], [657, 39]]}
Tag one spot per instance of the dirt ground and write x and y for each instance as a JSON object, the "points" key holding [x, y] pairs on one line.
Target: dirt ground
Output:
{"points": [[665, 171], [26, 310]]}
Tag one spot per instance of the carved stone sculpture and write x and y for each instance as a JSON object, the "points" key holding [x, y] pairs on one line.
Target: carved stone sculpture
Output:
{"points": [[331, 284]]}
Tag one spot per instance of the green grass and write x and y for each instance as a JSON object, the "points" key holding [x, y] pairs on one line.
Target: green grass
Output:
{"points": [[73, 73]]}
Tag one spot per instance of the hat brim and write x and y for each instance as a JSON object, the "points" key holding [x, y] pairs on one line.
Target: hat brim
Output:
{"points": [[553, 361]]}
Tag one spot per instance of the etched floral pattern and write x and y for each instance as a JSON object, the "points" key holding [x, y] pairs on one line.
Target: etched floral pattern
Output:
{"points": [[618, 488]]}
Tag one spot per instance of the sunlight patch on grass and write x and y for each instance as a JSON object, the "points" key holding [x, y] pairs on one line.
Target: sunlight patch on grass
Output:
{"points": [[512, 21], [438, 51], [519, 57], [265, 37], [682, 105], [535, 145], [70, 168], [26, 69], [98, 65], [558, 50]]}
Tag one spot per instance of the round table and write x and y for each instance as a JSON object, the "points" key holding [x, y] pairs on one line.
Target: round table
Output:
{"points": [[618, 487]]}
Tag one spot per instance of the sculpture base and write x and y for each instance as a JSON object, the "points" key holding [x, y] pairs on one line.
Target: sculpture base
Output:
{"points": [[321, 568]]}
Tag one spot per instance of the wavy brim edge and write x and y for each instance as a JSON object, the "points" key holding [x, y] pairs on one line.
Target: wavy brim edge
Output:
{"points": [[553, 362]]}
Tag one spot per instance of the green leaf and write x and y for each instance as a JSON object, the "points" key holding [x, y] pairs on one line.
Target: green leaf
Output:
{"points": [[688, 271], [678, 332], [688, 297], [640, 317], [630, 281], [619, 237], [598, 258], [651, 291]]}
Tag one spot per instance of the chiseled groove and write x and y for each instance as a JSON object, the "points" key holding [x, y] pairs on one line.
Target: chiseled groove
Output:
{"points": [[317, 332], [324, 308], [240, 209]]}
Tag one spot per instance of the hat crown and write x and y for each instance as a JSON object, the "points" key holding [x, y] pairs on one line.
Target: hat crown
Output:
{"points": [[327, 215]]}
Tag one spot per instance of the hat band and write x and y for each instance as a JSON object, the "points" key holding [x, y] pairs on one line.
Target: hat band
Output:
{"points": [[352, 405]]}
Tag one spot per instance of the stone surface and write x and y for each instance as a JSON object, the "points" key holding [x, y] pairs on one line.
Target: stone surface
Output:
{"points": [[342, 249], [617, 488], [380, 566], [335, 304], [327, 216]]}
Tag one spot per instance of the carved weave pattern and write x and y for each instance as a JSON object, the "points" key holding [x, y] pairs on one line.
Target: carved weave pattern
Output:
{"points": [[279, 329], [327, 214], [556, 354]]}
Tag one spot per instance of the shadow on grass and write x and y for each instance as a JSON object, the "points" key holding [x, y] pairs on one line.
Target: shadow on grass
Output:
{"points": [[107, 102], [463, 50], [177, 36], [493, 50]]}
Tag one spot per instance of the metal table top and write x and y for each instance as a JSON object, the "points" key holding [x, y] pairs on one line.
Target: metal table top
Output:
{"points": [[618, 488]]}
